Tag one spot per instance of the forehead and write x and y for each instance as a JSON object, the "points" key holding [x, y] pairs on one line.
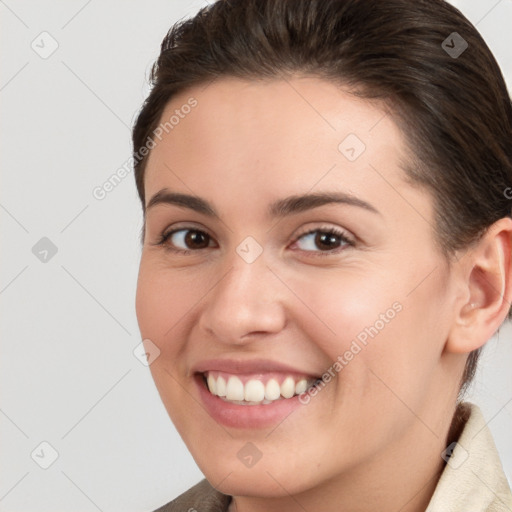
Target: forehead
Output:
{"points": [[252, 139]]}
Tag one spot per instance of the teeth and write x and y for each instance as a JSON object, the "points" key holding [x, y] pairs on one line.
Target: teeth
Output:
{"points": [[255, 391], [234, 389], [272, 390], [288, 387], [212, 384], [221, 387], [300, 387]]}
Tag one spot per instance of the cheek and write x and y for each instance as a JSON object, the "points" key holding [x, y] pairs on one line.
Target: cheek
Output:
{"points": [[379, 324], [163, 299], [346, 307]]}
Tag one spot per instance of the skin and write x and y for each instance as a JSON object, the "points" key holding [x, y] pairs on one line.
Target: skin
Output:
{"points": [[372, 438]]}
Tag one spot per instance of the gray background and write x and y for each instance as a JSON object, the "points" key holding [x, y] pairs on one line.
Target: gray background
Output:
{"points": [[68, 373]]}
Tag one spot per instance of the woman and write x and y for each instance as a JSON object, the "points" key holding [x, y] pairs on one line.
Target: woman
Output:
{"points": [[326, 248]]}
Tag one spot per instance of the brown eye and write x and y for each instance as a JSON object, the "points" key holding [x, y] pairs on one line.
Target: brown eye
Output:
{"points": [[327, 241], [184, 240], [196, 239]]}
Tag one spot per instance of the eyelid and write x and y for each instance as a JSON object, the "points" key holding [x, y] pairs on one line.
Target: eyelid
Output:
{"points": [[191, 227], [326, 227]]}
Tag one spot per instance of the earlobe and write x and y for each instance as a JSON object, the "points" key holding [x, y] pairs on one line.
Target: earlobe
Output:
{"points": [[487, 280]]}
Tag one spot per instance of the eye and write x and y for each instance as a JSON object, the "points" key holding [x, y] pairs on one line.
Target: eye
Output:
{"points": [[328, 239], [190, 238], [331, 240]]}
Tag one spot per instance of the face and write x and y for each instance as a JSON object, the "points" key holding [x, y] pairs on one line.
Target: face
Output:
{"points": [[255, 295]]}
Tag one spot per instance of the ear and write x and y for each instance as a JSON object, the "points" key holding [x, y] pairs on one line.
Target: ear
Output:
{"points": [[486, 275]]}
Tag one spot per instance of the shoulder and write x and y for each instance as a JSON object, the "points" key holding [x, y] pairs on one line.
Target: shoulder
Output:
{"points": [[473, 478], [202, 497]]}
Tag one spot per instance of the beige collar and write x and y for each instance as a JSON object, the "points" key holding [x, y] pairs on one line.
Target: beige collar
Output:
{"points": [[473, 478]]}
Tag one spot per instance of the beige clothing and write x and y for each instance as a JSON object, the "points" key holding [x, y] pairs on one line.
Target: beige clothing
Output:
{"points": [[472, 480]]}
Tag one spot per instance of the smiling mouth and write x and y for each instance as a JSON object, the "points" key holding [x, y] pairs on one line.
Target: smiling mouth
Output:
{"points": [[257, 389]]}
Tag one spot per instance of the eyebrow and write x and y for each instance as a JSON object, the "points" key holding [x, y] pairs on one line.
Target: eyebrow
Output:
{"points": [[281, 208]]}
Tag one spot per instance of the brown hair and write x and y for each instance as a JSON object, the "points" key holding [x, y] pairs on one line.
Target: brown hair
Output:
{"points": [[450, 101]]}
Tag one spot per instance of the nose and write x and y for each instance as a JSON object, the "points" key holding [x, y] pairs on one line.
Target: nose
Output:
{"points": [[245, 304]]}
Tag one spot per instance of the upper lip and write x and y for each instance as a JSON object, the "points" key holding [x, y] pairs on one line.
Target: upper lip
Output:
{"points": [[248, 366]]}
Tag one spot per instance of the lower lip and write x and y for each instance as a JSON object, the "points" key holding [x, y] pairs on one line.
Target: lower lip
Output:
{"points": [[246, 416]]}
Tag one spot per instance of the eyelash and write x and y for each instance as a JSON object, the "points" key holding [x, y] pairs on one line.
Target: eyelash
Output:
{"points": [[325, 230]]}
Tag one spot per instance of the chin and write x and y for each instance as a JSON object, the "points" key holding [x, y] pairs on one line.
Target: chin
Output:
{"points": [[259, 482], [276, 474]]}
